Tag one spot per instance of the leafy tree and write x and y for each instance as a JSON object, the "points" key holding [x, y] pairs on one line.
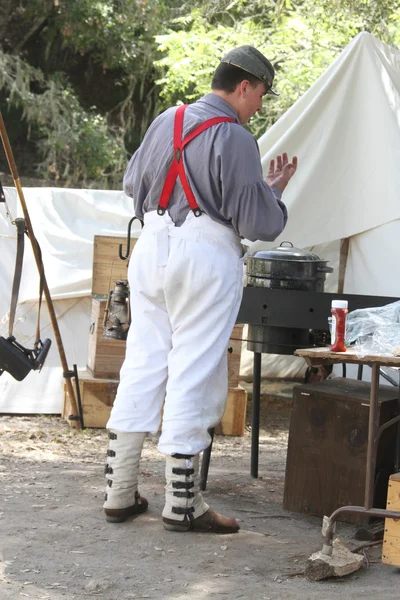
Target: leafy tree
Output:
{"points": [[81, 74], [81, 80], [301, 38]]}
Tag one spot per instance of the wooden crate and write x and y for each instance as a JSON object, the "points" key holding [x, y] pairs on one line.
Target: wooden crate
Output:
{"points": [[327, 447], [234, 419], [105, 355], [107, 266], [234, 355], [391, 538], [97, 397]]}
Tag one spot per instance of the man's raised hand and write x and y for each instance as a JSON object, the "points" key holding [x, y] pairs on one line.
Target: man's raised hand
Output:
{"points": [[280, 175]]}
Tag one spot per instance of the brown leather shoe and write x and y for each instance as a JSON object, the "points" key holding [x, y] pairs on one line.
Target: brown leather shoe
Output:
{"points": [[209, 522], [118, 515]]}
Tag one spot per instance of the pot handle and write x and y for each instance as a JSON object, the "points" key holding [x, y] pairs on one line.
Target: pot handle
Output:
{"points": [[325, 269], [290, 244]]}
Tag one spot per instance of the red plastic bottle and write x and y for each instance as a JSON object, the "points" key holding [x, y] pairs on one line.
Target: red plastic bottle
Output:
{"points": [[339, 311]]}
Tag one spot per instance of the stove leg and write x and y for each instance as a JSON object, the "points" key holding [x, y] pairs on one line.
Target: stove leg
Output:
{"points": [[205, 463], [373, 427], [397, 457], [255, 414]]}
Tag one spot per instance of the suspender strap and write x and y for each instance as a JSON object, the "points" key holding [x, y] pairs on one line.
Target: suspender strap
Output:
{"points": [[200, 128], [41, 288], [177, 166], [20, 225]]}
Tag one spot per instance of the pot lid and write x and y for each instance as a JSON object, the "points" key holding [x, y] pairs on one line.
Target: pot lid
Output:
{"points": [[287, 252]]}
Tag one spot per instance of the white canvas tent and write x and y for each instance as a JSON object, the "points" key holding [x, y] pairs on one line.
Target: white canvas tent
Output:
{"points": [[65, 223], [345, 131]]}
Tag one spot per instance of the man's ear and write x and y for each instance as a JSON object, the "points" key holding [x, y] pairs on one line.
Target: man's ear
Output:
{"points": [[242, 87]]}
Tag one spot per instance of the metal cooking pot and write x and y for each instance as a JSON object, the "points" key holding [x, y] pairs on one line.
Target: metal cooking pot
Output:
{"points": [[284, 267], [287, 267]]}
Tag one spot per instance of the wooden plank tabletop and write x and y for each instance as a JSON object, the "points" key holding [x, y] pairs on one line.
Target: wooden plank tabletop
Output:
{"points": [[323, 356]]}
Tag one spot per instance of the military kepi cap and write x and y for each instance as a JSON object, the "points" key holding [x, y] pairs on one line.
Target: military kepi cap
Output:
{"points": [[251, 60]]}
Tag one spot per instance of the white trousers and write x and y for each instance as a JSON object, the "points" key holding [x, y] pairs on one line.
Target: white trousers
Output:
{"points": [[186, 287]]}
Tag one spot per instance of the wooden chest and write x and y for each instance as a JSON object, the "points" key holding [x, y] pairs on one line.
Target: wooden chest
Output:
{"points": [[326, 459], [97, 397], [391, 537], [107, 266], [105, 355], [234, 420], [234, 355]]}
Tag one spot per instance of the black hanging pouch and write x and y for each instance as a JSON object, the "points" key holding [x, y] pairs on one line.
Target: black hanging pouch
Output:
{"points": [[14, 358], [18, 361]]}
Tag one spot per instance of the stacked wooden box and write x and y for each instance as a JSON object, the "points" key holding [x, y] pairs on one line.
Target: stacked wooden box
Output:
{"points": [[105, 355], [327, 447], [98, 384], [234, 419], [391, 538]]}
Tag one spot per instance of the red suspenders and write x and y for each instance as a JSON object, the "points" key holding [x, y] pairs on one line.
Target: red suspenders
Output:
{"points": [[177, 166]]}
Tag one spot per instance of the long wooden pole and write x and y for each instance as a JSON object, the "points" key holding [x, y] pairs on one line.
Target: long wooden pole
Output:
{"points": [[39, 264], [344, 253]]}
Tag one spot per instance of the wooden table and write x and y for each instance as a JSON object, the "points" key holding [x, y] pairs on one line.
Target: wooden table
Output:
{"points": [[323, 356]]}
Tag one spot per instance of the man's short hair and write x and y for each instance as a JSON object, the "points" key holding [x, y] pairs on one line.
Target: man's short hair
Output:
{"points": [[227, 77]]}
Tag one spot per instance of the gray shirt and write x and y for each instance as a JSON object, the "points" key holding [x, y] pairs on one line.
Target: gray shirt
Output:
{"points": [[222, 165]]}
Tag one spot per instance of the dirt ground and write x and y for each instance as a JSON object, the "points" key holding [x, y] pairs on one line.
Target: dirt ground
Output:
{"points": [[55, 543]]}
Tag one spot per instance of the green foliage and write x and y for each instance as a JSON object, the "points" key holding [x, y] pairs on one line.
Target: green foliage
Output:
{"points": [[79, 146], [106, 95], [75, 144], [90, 75], [115, 33], [300, 37]]}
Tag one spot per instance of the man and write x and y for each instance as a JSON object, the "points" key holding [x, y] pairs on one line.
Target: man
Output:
{"points": [[198, 198]]}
